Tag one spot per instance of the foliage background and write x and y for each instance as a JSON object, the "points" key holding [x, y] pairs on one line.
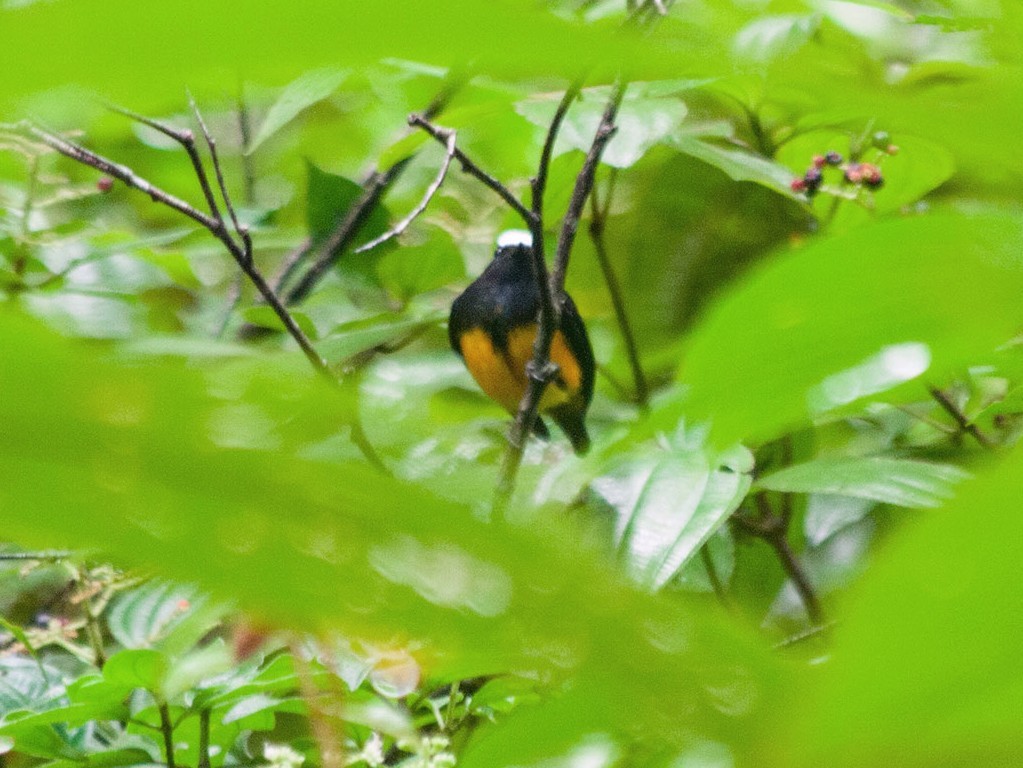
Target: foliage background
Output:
{"points": [[637, 607]]}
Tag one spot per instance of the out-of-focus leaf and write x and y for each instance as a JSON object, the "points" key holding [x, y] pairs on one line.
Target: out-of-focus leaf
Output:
{"points": [[948, 692], [265, 317], [770, 37], [362, 335], [207, 44], [826, 514], [903, 482], [642, 121], [298, 95], [364, 552], [142, 668], [150, 615], [826, 307]]}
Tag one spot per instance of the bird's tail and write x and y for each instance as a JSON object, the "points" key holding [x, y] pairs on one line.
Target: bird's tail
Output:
{"points": [[571, 423]]}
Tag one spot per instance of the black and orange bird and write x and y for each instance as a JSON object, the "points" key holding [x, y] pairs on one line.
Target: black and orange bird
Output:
{"points": [[493, 325]]}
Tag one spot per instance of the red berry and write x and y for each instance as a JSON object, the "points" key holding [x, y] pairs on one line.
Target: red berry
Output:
{"points": [[818, 161], [105, 184], [854, 173], [797, 185]]}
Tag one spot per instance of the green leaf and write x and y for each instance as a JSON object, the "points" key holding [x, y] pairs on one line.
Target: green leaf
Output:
{"points": [[668, 505], [739, 164], [941, 685], [643, 120], [147, 616], [298, 95], [326, 544], [143, 668], [761, 352], [329, 198], [265, 317], [902, 482]]}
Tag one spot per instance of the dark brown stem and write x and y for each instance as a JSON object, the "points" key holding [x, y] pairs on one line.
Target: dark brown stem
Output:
{"points": [[211, 144], [773, 529], [167, 729], [598, 221], [794, 569], [539, 182], [960, 418], [712, 576], [204, 740]]}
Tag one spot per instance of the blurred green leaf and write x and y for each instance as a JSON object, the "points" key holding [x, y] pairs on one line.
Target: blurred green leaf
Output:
{"points": [[137, 668], [903, 482], [362, 550], [826, 307], [947, 692], [298, 95]]}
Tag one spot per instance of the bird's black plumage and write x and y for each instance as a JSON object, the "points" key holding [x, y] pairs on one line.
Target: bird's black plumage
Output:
{"points": [[505, 299]]}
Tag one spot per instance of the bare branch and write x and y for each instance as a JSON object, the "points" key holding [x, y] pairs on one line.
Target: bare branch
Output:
{"points": [[440, 134], [243, 232], [211, 223], [539, 182], [402, 225], [583, 185], [186, 139]]}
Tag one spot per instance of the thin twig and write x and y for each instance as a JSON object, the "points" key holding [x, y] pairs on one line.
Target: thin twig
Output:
{"points": [[807, 634], [404, 224], [440, 134], [539, 182], [598, 222], [960, 418], [214, 223], [713, 577], [167, 728], [186, 139], [203, 760], [211, 144]]}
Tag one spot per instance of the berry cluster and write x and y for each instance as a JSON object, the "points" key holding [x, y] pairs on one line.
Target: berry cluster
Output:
{"points": [[854, 172]]}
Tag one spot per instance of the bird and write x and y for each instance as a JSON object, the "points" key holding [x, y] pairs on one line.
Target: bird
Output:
{"points": [[493, 325]]}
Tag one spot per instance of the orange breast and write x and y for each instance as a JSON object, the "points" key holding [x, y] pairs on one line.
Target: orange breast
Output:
{"points": [[503, 376]]}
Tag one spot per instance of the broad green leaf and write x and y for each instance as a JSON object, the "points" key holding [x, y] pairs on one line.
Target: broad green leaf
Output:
{"points": [[142, 668], [298, 95], [903, 482], [941, 684], [146, 616], [809, 314], [668, 505], [25, 684], [739, 164], [265, 317], [328, 199], [643, 120]]}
